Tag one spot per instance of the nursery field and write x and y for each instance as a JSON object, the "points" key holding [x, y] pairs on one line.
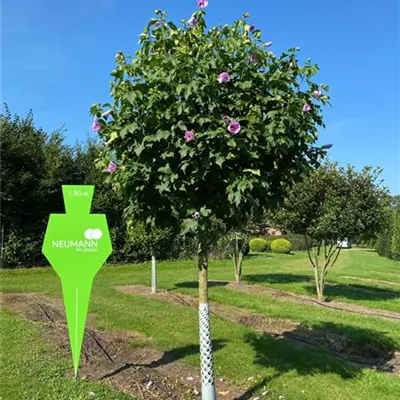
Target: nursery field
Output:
{"points": [[271, 338]]}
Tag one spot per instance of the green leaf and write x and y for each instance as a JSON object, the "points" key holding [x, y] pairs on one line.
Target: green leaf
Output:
{"points": [[189, 225], [113, 136], [139, 149], [253, 171], [220, 160], [163, 187]]}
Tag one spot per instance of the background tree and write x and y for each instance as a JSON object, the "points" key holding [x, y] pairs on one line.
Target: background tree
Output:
{"points": [[33, 164], [238, 245], [388, 241], [395, 245], [207, 123], [331, 204]]}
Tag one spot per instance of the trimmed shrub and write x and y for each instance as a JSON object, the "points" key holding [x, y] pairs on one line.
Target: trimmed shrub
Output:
{"points": [[270, 239], [258, 245], [281, 246]]}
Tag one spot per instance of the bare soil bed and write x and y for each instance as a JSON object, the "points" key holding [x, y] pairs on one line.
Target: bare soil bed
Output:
{"points": [[125, 360]]}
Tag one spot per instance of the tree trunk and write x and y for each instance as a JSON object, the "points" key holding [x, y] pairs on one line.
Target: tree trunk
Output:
{"points": [[206, 357], [153, 272], [317, 284], [238, 260], [1, 245]]}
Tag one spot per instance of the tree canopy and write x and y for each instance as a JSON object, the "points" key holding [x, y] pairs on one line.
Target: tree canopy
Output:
{"points": [[208, 122], [333, 203]]}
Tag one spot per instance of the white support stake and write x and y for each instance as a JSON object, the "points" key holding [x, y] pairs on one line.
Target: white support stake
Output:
{"points": [[153, 274]]}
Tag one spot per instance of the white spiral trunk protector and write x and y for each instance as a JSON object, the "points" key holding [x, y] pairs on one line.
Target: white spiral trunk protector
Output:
{"points": [[206, 358]]}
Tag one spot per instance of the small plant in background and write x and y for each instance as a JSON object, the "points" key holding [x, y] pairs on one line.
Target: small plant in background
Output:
{"points": [[270, 239], [258, 245], [281, 246], [237, 248]]}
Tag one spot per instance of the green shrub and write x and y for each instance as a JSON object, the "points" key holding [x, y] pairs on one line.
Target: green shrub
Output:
{"points": [[395, 245], [298, 241], [257, 245], [139, 242], [384, 242], [23, 250], [270, 239], [281, 246]]}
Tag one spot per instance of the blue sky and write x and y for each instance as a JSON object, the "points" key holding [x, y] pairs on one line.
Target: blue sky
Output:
{"points": [[57, 57]]}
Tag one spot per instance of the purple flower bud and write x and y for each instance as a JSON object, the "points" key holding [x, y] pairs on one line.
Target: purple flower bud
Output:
{"points": [[327, 146], [317, 94], [106, 113], [267, 44], [226, 119], [306, 107], [251, 28], [189, 136], [196, 215], [192, 21], [312, 150], [112, 167], [224, 77], [96, 126], [234, 127], [202, 3], [253, 58]]}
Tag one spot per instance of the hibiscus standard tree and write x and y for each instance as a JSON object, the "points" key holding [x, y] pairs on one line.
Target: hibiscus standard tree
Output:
{"points": [[207, 124]]}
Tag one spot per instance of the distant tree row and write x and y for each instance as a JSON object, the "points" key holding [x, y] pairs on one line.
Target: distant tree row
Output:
{"points": [[329, 204], [34, 165]]}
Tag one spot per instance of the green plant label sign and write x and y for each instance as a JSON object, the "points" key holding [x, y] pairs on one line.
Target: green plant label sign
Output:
{"points": [[77, 244]]}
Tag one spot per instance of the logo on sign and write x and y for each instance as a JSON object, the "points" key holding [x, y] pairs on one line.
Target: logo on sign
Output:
{"points": [[88, 245]]}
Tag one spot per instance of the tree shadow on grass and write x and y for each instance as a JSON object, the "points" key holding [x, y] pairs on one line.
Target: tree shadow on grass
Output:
{"points": [[277, 278], [258, 255], [363, 347], [257, 388], [168, 357], [325, 348], [355, 292], [284, 356], [265, 255]]}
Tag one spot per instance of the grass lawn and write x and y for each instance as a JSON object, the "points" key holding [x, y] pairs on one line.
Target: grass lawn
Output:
{"points": [[282, 367], [32, 369]]}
